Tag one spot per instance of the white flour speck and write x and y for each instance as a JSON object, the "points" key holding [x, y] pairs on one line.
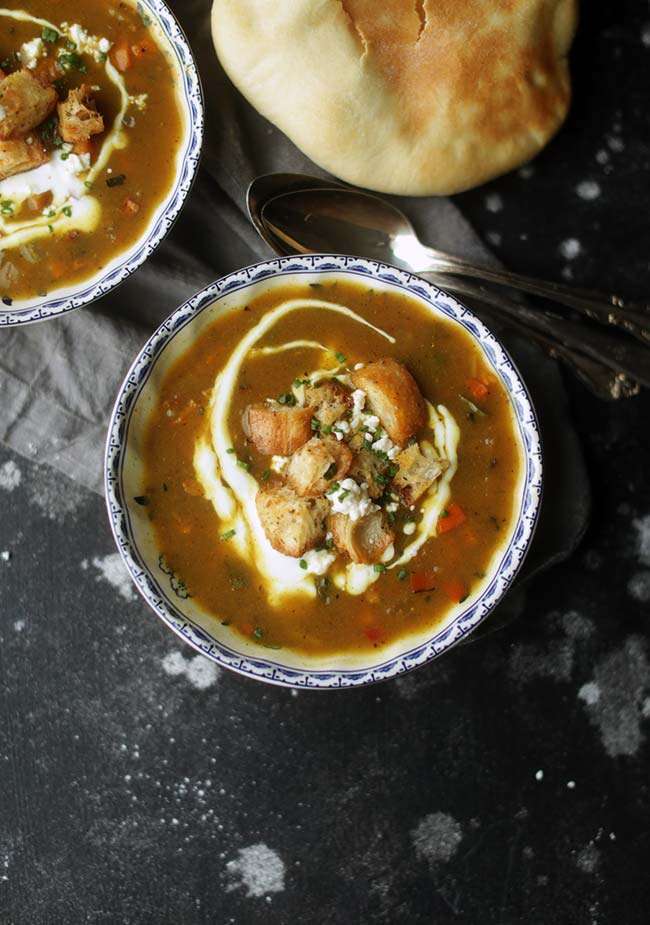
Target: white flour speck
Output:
{"points": [[5, 555], [112, 569], [55, 495], [588, 190], [199, 671], [493, 202], [436, 838], [615, 143], [588, 859], [10, 476], [571, 248], [260, 871], [639, 586], [645, 709], [602, 156], [642, 527], [19, 626], [622, 679], [539, 775], [494, 238], [526, 172], [645, 35], [589, 693]]}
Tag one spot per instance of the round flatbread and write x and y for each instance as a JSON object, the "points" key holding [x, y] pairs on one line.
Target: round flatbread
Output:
{"points": [[414, 97]]}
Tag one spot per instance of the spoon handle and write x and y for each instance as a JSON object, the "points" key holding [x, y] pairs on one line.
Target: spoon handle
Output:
{"points": [[605, 309], [603, 379]]}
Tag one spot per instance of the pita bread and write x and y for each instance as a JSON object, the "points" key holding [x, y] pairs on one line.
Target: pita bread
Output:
{"points": [[414, 97]]}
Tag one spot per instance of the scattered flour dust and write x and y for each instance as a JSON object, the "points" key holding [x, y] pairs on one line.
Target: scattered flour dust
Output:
{"points": [[258, 869], [588, 859], [555, 660], [10, 476], [642, 527], [616, 699], [112, 569], [571, 248], [436, 838], [55, 495], [493, 202], [639, 586], [199, 671], [588, 190]]}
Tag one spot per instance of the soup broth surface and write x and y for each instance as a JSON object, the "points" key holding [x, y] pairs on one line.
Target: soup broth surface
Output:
{"points": [[200, 556]]}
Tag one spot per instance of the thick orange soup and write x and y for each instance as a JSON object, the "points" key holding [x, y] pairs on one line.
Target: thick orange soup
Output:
{"points": [[90, 128], [330, 468]]}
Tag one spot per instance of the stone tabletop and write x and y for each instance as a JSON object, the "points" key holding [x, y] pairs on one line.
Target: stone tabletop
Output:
{"points": [[505, 783]]}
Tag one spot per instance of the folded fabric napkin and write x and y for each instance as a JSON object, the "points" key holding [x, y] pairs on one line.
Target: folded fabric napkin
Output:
{"points": [[59, 378]]}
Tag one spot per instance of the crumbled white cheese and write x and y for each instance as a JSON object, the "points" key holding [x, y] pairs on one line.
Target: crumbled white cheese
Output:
{"points": [[352, 499], [358, 366], [392, 506], [318, 561], [386, 445], [389, 552], [30, 52], [358, 404], [86, 44], [139, 101], [279, 464], [409, 528]]}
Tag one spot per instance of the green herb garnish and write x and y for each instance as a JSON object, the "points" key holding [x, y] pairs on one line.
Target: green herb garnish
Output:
{"points": [[266, 474], [402, 574], [330, 472], [72, 61], [67, 210], [379, 567], [341, 357], [116, 181], [287, 398], [228, 535], [141, 499], [49, 35], [303, 563]]}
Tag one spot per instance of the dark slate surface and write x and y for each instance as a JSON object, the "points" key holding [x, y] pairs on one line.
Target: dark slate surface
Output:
{"points": [[506, 783]]}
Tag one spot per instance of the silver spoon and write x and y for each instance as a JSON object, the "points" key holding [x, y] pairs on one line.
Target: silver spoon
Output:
{"points": [[601, 370], [365, 224]]}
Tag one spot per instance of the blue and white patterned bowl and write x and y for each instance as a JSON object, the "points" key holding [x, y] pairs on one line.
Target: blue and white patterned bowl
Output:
{"points": [[190, 96], [134, 535]]}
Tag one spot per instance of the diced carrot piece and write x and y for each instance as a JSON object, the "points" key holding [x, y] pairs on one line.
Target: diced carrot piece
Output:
{"points": [[455, 590], [423, 581], [454, 517], [142, 48], [478, 389], [373, 633], [130, 206], [121, 55]]}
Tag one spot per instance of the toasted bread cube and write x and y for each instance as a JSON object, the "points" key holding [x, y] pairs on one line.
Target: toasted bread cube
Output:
{"points": [[329, 400], [292, 524], [365, 540], [24, 104], [277, 430], [17, 155], [317, 464], [369, 468], [78, 117], [394, 396], [416, 473]]}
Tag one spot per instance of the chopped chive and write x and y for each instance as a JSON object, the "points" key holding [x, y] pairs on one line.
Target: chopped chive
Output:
{"points": [[287, 398], [402, 574], [326, 429], [303, 563], [341, 357], [228, 535], [67, 210], [330, 472], [265, 475], [244, 465], [258, 632], [315, 424], [343, 495], [379, 567], [117, 180], [49, 35], [230, 449]]}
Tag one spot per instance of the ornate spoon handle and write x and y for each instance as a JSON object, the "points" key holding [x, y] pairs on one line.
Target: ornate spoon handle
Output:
{"points": [[605, 309]]}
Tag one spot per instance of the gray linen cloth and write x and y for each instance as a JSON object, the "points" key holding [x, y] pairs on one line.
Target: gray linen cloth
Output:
{"points": [[59, 378]]}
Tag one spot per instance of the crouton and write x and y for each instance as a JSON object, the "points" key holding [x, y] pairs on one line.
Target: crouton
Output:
{"points": [[277, 430], [292, 524], [369, 468], [394, 396], [328, 399], [317, 464], [416, 473], [17, 155], [78, 117], [24, 104], [364, 540]]}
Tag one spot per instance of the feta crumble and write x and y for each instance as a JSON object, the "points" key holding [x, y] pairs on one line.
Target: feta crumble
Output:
{"points": [[30, 52], [87, 44], [318, 561], [386, 445], [279, 464], [139, 101], [352, 499]]}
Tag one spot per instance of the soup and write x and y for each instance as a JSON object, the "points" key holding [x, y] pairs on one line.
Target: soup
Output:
{"points": [[90, 128], [330, 468]]}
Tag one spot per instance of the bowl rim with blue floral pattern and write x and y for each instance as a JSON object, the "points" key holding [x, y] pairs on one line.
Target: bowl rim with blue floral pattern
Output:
{"points": [[270, 668], [190, 97]]}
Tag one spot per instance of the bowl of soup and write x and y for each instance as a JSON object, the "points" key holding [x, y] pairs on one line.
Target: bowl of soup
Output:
{"points": [[323, 471], [101, 125]]}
